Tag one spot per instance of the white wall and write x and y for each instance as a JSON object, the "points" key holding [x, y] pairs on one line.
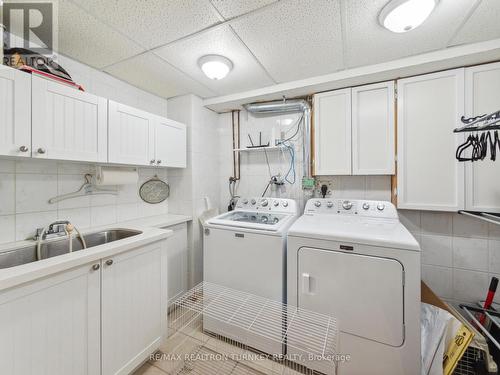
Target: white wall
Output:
{"points": [[26, 185], [200, 179], [459, 254], [254, 169]]}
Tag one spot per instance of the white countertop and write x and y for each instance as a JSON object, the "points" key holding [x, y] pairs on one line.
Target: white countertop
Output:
{"points": [[151, 232]]}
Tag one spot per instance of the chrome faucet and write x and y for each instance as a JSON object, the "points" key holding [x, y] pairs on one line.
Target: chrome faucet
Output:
{"points": [[55, 229]]}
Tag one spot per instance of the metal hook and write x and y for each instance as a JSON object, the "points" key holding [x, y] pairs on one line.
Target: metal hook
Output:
{"points": [[88, 178]]}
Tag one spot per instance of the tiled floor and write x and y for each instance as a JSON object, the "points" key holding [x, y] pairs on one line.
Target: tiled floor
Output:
{"points": [[200, 354]]}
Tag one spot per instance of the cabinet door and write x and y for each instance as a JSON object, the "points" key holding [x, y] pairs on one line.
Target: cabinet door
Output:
{"points": [[373, 129], [15, 112], [52, 326], [131, 135], [170, 143], [131, 308], [68, 124], [429, 108], [332, 133], [482, 86], [177, 261]]}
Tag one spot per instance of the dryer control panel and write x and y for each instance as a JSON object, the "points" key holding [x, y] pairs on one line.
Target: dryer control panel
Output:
{"points": [[366, 208], [281, 205]]}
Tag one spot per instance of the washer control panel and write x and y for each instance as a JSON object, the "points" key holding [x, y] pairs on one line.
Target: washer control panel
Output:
{"points": [[351, 207], [267, 204]]}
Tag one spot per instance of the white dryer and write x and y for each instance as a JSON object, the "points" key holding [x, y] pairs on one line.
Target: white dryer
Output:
{"points": [[355, 261], [245, 249]]}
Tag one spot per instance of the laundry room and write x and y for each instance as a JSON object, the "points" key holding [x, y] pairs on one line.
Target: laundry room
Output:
{"points": [[250, 187]]}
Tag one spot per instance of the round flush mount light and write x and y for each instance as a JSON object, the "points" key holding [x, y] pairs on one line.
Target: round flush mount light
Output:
{"points": [[215, 66], [400, 16]]}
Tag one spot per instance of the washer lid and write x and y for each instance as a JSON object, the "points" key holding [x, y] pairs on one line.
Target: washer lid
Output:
{"points": [[267, 221], [361, 230]]}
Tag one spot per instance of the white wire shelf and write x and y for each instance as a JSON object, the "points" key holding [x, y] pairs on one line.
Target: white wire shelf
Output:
{"points": [[309, 336], [255, 149]]}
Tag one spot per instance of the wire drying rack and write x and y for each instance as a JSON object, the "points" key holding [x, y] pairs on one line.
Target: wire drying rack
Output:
{"points": [[300, 341]]}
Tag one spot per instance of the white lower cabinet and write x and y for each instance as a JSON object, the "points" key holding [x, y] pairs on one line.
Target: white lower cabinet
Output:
{"points": [[131, 308], [177, 261], [482, 180], [102, 318], [52, 326], [429, 109]]}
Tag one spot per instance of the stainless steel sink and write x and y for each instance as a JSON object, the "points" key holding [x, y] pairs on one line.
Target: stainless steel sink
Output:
{"points": [[55, 247]]}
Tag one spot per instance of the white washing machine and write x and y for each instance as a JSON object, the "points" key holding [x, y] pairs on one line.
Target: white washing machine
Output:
{"points": [[245, 249], [355, 261]]}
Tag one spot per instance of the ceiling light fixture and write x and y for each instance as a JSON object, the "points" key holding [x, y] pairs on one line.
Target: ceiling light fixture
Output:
{"points": [[215, 66], [401, 16]]}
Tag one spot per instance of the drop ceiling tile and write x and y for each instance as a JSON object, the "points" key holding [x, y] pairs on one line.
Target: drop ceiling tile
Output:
{"points": [[152, 74], [367, 42], [295, 39], [482, 25], [153, 22], [247, 74], [85, 39], [234, 8]]}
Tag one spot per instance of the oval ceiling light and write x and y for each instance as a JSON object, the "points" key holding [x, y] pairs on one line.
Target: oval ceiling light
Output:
{"points": [[215, 66], [401, 16]]}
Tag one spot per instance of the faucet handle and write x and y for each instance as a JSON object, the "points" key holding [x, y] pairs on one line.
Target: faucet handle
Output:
{"points": [[38, 233]]}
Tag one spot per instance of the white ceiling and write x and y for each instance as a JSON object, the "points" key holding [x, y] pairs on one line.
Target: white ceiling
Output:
{"points": [[155, 44]]}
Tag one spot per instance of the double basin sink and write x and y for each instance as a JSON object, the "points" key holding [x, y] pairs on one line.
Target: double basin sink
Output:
{"points": [[59, 246]]}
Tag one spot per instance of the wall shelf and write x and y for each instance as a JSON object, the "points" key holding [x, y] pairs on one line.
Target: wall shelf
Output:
{"points": [[268, 148]]}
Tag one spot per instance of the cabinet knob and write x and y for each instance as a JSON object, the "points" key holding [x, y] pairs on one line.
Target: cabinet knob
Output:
{"points": [[95, 267], [23, 149], [109, 262], [158, 162], [152, 161], [41, 150]]}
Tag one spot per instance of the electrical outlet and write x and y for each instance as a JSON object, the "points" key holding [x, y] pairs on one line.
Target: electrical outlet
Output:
{"points": [[320, 182]]}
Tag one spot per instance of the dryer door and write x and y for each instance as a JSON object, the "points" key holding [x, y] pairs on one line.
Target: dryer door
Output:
{"points": [[364, 293]]}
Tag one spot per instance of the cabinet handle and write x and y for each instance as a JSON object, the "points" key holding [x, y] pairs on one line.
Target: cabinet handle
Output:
{"points": [[109, 262], [152, 161], [23, 149], [41, 150], [95, 267], [158, 162]]}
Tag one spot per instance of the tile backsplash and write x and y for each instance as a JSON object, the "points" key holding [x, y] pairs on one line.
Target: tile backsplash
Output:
{"points": [[459, 254], [26, 187]]}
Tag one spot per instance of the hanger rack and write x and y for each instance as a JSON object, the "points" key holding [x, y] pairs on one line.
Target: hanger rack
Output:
{"points": [[480, 123], [88, 188], [485, 216]]}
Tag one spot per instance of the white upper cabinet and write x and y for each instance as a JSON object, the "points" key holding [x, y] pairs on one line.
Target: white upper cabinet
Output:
{"points": [[131, 135], [429, 109], [67, 124], [142, 138], [354, 131], [373, 136], [170, 143], [482, 181], [332, 133], [15, 112]]}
